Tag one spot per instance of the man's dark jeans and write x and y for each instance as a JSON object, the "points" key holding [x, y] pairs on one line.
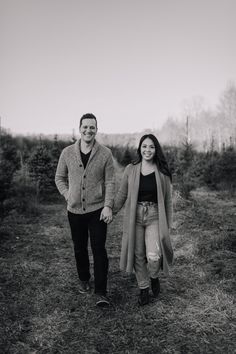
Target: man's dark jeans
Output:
{"points": [[84, 226]]}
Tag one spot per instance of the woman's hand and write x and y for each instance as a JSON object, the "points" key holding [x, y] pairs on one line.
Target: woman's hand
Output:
{"points": [[106, 215]]}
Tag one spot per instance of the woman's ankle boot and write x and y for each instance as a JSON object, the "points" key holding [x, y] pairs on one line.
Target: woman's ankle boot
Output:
{"points": [[143, 297], [155, 285]]}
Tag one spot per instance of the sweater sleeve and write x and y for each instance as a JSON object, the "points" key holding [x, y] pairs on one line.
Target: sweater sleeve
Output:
{"points": [[122, 192], [109, 182], [168, 202], [61, 177]]}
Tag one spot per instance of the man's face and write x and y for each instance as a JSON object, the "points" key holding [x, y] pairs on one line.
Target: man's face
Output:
{"points": [[88, 130]]}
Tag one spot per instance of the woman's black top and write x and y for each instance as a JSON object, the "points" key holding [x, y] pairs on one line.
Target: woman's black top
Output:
{"points": [[147, 188], [85, 157]]}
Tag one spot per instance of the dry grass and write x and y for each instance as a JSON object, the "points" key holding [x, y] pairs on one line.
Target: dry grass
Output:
{"points": [[42, 311]]}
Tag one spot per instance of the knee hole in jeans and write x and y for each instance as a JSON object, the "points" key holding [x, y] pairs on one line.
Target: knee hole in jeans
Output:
{"points": [[154, 257]]}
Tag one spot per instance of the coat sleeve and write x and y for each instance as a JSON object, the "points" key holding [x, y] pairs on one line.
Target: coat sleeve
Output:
{"points": [[122, 192], [61, 177], [168, 202], [109, 182]]}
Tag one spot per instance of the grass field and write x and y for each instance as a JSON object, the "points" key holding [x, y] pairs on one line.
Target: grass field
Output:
{"points": [[43, 312]]}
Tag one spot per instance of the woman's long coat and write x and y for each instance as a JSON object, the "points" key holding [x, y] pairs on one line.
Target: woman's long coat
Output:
{"points": [[128, 192]]}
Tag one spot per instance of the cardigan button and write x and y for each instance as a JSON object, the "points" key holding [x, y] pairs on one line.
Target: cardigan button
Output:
{"points": [[80, 165]]}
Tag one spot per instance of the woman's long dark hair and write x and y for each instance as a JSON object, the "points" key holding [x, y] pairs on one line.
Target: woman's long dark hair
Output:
{"points": [[158, 158]]}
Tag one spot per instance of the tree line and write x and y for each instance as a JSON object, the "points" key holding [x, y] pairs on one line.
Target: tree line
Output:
{"points": [[199, 124], [28, 168]]}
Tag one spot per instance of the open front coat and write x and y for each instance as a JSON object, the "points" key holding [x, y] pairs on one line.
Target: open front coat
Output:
{"points": [[128, 194]]}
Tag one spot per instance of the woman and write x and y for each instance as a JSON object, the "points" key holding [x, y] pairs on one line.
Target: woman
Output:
{"points": [[146, 189]]}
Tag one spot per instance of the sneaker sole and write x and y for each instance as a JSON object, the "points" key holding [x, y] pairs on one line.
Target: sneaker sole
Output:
{"points": [[84, 292], [102, 303]]}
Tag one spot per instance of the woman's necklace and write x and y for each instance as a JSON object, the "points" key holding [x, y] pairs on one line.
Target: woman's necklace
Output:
{"points": [[147, 168]]}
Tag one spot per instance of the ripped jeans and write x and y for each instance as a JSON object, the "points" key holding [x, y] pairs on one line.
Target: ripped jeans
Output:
{"points": [[147, 258]]}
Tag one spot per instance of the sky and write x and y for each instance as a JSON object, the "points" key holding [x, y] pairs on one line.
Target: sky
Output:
{"points": [[132, 63]]}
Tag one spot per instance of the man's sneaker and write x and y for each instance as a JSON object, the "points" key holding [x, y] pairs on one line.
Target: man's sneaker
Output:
{"points": [[155, 285], [102, 301], [84, 286]]}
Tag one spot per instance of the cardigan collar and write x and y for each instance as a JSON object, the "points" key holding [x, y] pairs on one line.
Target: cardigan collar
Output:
{"points": [[93, 152]]}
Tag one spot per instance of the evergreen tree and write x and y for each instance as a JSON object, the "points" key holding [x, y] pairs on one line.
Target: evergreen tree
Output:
{"points": [[9, 163], [55, 153], [227, 169], [171, 154], [127, 158], [210, 172], [185, 169], [41, 169]]}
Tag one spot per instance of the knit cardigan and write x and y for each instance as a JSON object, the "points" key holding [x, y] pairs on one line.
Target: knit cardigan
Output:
{"points": [[128, 194], [86, 189]]}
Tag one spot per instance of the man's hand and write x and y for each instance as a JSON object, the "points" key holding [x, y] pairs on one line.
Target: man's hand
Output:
{"points": [[106, 215]]}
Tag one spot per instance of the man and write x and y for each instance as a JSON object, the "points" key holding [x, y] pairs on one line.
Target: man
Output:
{"points": [[85, 177]]}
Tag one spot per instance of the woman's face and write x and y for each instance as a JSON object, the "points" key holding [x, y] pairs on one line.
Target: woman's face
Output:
{"points": [[147, 149]]}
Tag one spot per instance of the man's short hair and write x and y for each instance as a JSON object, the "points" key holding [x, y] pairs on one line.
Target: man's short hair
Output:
{"points": [[88, 116]]}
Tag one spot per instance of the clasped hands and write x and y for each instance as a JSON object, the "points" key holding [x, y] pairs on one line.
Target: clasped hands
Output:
{"points": [[106, 215]]}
